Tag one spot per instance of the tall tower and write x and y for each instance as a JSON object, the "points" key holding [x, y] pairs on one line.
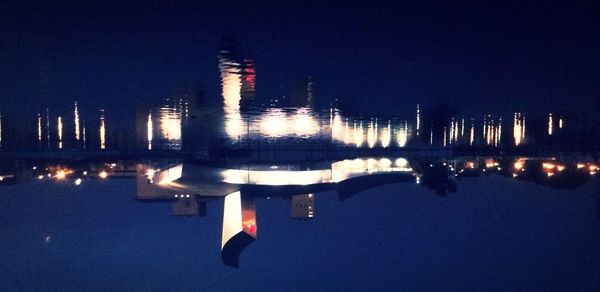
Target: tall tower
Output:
{"points": [[76, 118], [418, 120], [102, 130]]}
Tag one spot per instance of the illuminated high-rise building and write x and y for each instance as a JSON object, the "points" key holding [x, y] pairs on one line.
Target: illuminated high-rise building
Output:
{"points": [[550, 124], [39, 127], [76, 120], [48, 127], [102, 130], [418, 124]]}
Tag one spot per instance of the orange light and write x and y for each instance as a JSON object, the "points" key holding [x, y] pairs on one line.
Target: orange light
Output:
{"points": [[580, 165], [103, 174], [62, 173], [489, 163], [470, 164], [519, 165], [548, 165], [560, 167]]}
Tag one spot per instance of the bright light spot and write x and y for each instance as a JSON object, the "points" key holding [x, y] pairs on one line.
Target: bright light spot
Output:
{"points": [[401, 162], [560, 167], [519, 165], [61, 174], [77, 181], [85, 172], [103, 174], [385, 163], [274, 124], [1, 178], [40, 177], [580, 165]]}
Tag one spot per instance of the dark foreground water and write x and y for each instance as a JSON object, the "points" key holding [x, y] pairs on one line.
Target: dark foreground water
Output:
{"points": [[495, 233]]}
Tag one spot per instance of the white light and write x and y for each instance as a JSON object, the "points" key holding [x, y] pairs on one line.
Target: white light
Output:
{"points": [[77, 181]]}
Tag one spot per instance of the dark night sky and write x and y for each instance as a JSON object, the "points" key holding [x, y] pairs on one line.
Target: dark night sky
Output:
{"points": [[495, 58]]}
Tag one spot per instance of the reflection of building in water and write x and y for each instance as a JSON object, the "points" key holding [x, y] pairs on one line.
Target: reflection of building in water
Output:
{"points": [[150, 130], [231, 84], [519, 128], [302, 94], [402, 134], [59, 128], [550, 124], [302, 206], [472, 133], [248, 85]]}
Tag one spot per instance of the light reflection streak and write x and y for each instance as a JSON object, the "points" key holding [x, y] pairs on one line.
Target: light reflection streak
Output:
{"points": [[372, 134], [472, 134], [149, 130], [402, 135], [102, 130], [550, 124], [518, 128], [170, 126], [59, 127], [386, 135]]}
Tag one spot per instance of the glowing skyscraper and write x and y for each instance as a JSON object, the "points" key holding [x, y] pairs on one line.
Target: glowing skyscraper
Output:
{"points": [[102, 130], [76, 119]]}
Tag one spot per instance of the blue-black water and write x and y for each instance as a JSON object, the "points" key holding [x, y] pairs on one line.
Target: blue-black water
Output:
{"points": [[495, 232]]}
